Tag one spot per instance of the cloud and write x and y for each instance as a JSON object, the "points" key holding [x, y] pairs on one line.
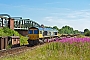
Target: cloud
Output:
{"points": [[79, 20], [79, 14], [73, 14]]}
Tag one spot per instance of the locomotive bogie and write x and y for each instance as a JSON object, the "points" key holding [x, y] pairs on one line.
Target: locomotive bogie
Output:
{"points": [[33, 42]]}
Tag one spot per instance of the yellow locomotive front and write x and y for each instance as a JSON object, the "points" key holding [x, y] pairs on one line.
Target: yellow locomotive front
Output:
{"points": [[33, 36]]}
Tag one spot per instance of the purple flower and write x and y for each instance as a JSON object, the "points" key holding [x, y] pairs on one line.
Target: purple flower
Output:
{"points": [[72, 40]]}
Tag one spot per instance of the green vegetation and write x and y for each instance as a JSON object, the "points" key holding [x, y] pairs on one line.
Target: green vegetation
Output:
{"points": [[55, 51], [86, 32], [23, 40], [69, 30], [8, 32], [65, 30]]}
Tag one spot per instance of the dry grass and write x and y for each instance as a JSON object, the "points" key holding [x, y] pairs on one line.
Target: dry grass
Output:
{"points": [[55, 51]]}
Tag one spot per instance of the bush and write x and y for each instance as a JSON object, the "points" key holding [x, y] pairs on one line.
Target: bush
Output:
{"points": [[10, 32], [5, 31], [23, 40], [87, 33]]}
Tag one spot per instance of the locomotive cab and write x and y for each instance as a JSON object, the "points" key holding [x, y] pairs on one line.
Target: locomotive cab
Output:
{"points": [[33, 34]]}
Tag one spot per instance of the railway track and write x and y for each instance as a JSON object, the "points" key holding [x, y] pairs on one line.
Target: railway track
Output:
{"points": [[17, 50]]}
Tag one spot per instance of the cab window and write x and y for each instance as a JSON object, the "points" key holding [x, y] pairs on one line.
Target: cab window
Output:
{"points": [[30, 31], [50, 33], [35, 31], [40, 32], [55, 33]]}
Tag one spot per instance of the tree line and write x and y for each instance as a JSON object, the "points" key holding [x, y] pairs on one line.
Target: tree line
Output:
{"points": [[69, 30], [65, 30]]}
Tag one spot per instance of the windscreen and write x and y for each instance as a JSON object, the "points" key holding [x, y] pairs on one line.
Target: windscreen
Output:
{"points": [[30, 32], [36, 31]]}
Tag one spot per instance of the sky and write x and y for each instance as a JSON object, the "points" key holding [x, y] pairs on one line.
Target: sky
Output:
{"points": [[73, 13]]}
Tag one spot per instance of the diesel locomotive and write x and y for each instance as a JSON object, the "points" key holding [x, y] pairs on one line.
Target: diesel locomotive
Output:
{"points": [[37, 34]]}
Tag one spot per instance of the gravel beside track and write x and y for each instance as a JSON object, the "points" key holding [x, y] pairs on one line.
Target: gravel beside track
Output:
{"points": [[15, 51]]}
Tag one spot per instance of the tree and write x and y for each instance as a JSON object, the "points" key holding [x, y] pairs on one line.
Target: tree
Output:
{"points": [[87, 33], [68, 30], [65, 30], [86, 30], [55, 27], [76, 32], [47, 27]]}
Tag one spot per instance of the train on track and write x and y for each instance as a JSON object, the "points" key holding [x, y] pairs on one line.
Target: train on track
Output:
{"points": [[36, 35], [39, 34]]}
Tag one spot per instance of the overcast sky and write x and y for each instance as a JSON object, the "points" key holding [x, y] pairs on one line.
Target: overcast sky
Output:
{"points": [[74, 13]]}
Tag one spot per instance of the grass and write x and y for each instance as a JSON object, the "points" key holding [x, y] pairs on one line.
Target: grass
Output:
{"points": [[55, 51]]}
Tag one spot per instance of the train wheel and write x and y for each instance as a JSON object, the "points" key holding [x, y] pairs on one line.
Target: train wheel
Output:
{"points": [[33, 42], [36, 42]]}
